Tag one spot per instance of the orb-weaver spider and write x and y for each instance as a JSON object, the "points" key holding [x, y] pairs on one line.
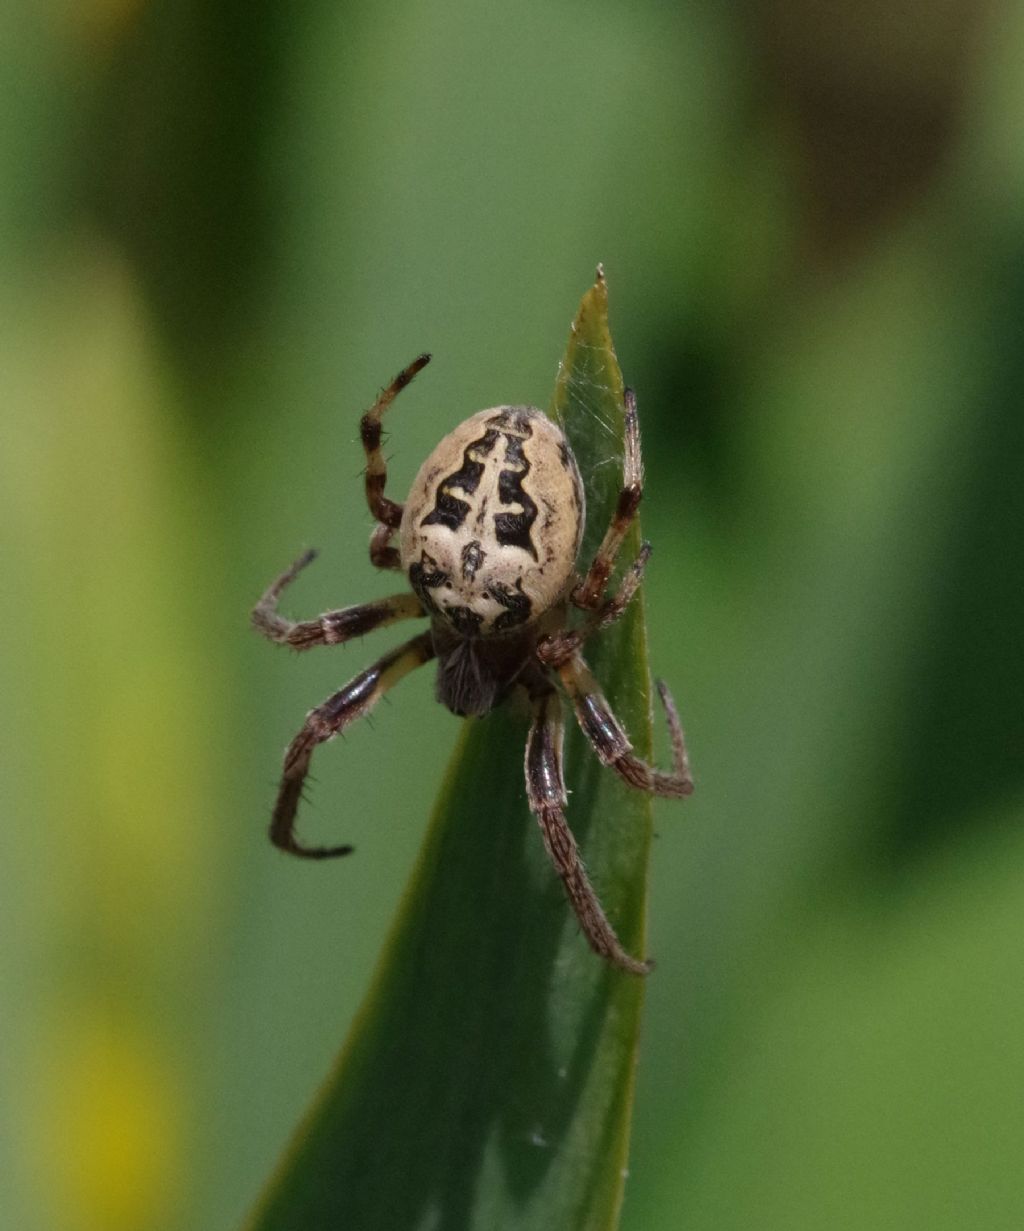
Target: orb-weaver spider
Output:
{"points": [[488, 540]]}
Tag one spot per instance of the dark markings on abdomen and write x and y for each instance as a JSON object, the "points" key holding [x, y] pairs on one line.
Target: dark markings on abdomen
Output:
{"points": [[513, 529], [473, 555], [517, 605], [448, 509], [425, 576], [515, 418]]}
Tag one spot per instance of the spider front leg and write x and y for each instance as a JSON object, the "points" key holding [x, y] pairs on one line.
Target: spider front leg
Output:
{"points": [[355, 700], [611, 743], [545, 790], [333, 627], [589, 592]]}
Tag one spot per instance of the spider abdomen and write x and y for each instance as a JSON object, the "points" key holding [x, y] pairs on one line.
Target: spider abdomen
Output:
{"points": [[493, 522]]}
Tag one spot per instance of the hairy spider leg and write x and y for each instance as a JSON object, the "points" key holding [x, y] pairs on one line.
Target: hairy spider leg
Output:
{"points": [[382, 554], [591, 589], [387, 512], [545, 791], [610, 742], [355, 700], [333, 627], [557, 648]]}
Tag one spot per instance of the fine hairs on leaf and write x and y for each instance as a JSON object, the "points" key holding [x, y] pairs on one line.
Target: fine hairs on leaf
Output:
{"points": [[487, 1080]]}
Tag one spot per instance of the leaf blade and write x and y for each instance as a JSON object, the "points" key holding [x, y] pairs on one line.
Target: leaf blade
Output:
{"points": [[488, 1079]]}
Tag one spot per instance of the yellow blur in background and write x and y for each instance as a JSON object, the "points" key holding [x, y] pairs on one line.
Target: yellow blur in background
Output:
{"points": [[222, 229]]}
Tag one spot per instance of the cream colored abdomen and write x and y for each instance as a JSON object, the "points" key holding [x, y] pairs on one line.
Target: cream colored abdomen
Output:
{"points": [[493, 522]]}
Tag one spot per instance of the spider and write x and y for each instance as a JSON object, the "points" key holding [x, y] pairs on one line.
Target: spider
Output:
{"points": [[488, 540]]}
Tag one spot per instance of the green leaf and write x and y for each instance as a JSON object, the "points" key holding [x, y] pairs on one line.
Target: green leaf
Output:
{"points": [[488, 1079]]}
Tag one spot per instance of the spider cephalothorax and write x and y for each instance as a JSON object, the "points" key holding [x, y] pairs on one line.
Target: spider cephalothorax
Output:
{"points": [[488, 541]]}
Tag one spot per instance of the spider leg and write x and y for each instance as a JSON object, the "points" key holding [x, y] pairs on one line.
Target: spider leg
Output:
{"points": [[355, 700], [545, 790], [386, 511], [332, 627], [382, 554], [590, 590], [610, 742], [556, 649]]}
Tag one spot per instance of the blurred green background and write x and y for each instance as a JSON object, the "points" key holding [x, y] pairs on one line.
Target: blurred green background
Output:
{"points": [[222, 227]]}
